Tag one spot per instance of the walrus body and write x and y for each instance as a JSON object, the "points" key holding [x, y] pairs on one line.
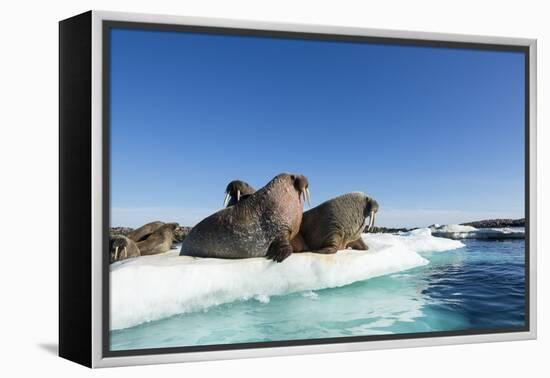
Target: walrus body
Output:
{"points": [[336, 224], [144, 231], [159, 241], [235, 191], [261, 226], [122, 248]]}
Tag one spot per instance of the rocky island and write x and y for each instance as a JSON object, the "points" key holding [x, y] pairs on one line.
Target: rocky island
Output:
{"points": [[496, 223]]}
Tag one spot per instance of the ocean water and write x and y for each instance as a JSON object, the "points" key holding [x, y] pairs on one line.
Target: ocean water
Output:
{"points": [[480, 285]]}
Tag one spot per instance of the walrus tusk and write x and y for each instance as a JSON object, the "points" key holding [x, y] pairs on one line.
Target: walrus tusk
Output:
{"points": [[226, 200], [308, 197], [125, 250], [116, 253], [371, 221], [238, 195], [305, 196]]}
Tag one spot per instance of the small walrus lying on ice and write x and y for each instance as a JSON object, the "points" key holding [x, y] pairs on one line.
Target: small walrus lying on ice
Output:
{"points": [[150, 239]]}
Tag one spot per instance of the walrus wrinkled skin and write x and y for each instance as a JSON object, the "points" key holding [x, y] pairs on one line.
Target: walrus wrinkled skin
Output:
{"points": [[122, 248], [144, 231], [235, 191], [336, 224], [261, 226], [159, 241]]}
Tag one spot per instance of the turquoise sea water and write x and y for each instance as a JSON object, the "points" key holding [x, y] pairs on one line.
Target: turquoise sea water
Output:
{"points": [[479, 286]]}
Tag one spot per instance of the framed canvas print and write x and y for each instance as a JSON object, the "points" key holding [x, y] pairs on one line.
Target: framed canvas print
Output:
{"points": [[235, 189]]}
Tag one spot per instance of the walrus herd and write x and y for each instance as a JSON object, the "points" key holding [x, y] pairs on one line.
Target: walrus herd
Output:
{"points": [[269, 222]]}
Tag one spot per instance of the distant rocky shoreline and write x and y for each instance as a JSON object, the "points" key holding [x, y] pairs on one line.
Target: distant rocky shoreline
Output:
{"points": [[486, 223], [388, 230], [496, 223], [182, 231]]}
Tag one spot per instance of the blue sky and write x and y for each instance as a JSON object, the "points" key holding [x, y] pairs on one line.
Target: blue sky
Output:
{"points": [[434, 134]]}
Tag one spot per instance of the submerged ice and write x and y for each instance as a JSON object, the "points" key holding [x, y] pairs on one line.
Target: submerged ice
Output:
{"points": [[150, 288]]}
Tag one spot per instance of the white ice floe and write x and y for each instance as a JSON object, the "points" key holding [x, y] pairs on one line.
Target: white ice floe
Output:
{"points": [[149, 288], [420, 240], [455, 231]]}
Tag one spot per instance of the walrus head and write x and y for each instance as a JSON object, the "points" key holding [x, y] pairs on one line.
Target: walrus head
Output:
{"points": [[118, 248], [236, 190], [170, 226], [301, 184], [371, 209], [291, 181], [168, 229]]}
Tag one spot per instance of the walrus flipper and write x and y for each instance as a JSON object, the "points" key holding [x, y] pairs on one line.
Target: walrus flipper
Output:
{"points": [[279, 250], [327, 250], [332, 244], [298, 244], [358, 244]]}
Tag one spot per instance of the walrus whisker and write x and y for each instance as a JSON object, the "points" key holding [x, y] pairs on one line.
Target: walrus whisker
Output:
{"points": [[226, 200]]}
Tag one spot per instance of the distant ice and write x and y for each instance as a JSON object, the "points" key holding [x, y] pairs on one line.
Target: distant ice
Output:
{"points": [[149, 288], [419, 240], [455, 231]]}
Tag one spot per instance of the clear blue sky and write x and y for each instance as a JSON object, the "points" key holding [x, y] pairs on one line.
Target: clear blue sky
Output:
{"points": [[436, 135]]}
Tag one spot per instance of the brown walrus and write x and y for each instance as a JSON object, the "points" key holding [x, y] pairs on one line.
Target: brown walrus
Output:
{"points": [[336, 224], [122, 248], [159, 241], [144, 231], [263, 225], [235, 191]]}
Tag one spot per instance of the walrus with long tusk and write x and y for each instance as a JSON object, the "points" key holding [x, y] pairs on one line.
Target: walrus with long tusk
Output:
{"points": [[122, 248], [336, 224], [159, 241], [235, 191], [261, 226]]}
